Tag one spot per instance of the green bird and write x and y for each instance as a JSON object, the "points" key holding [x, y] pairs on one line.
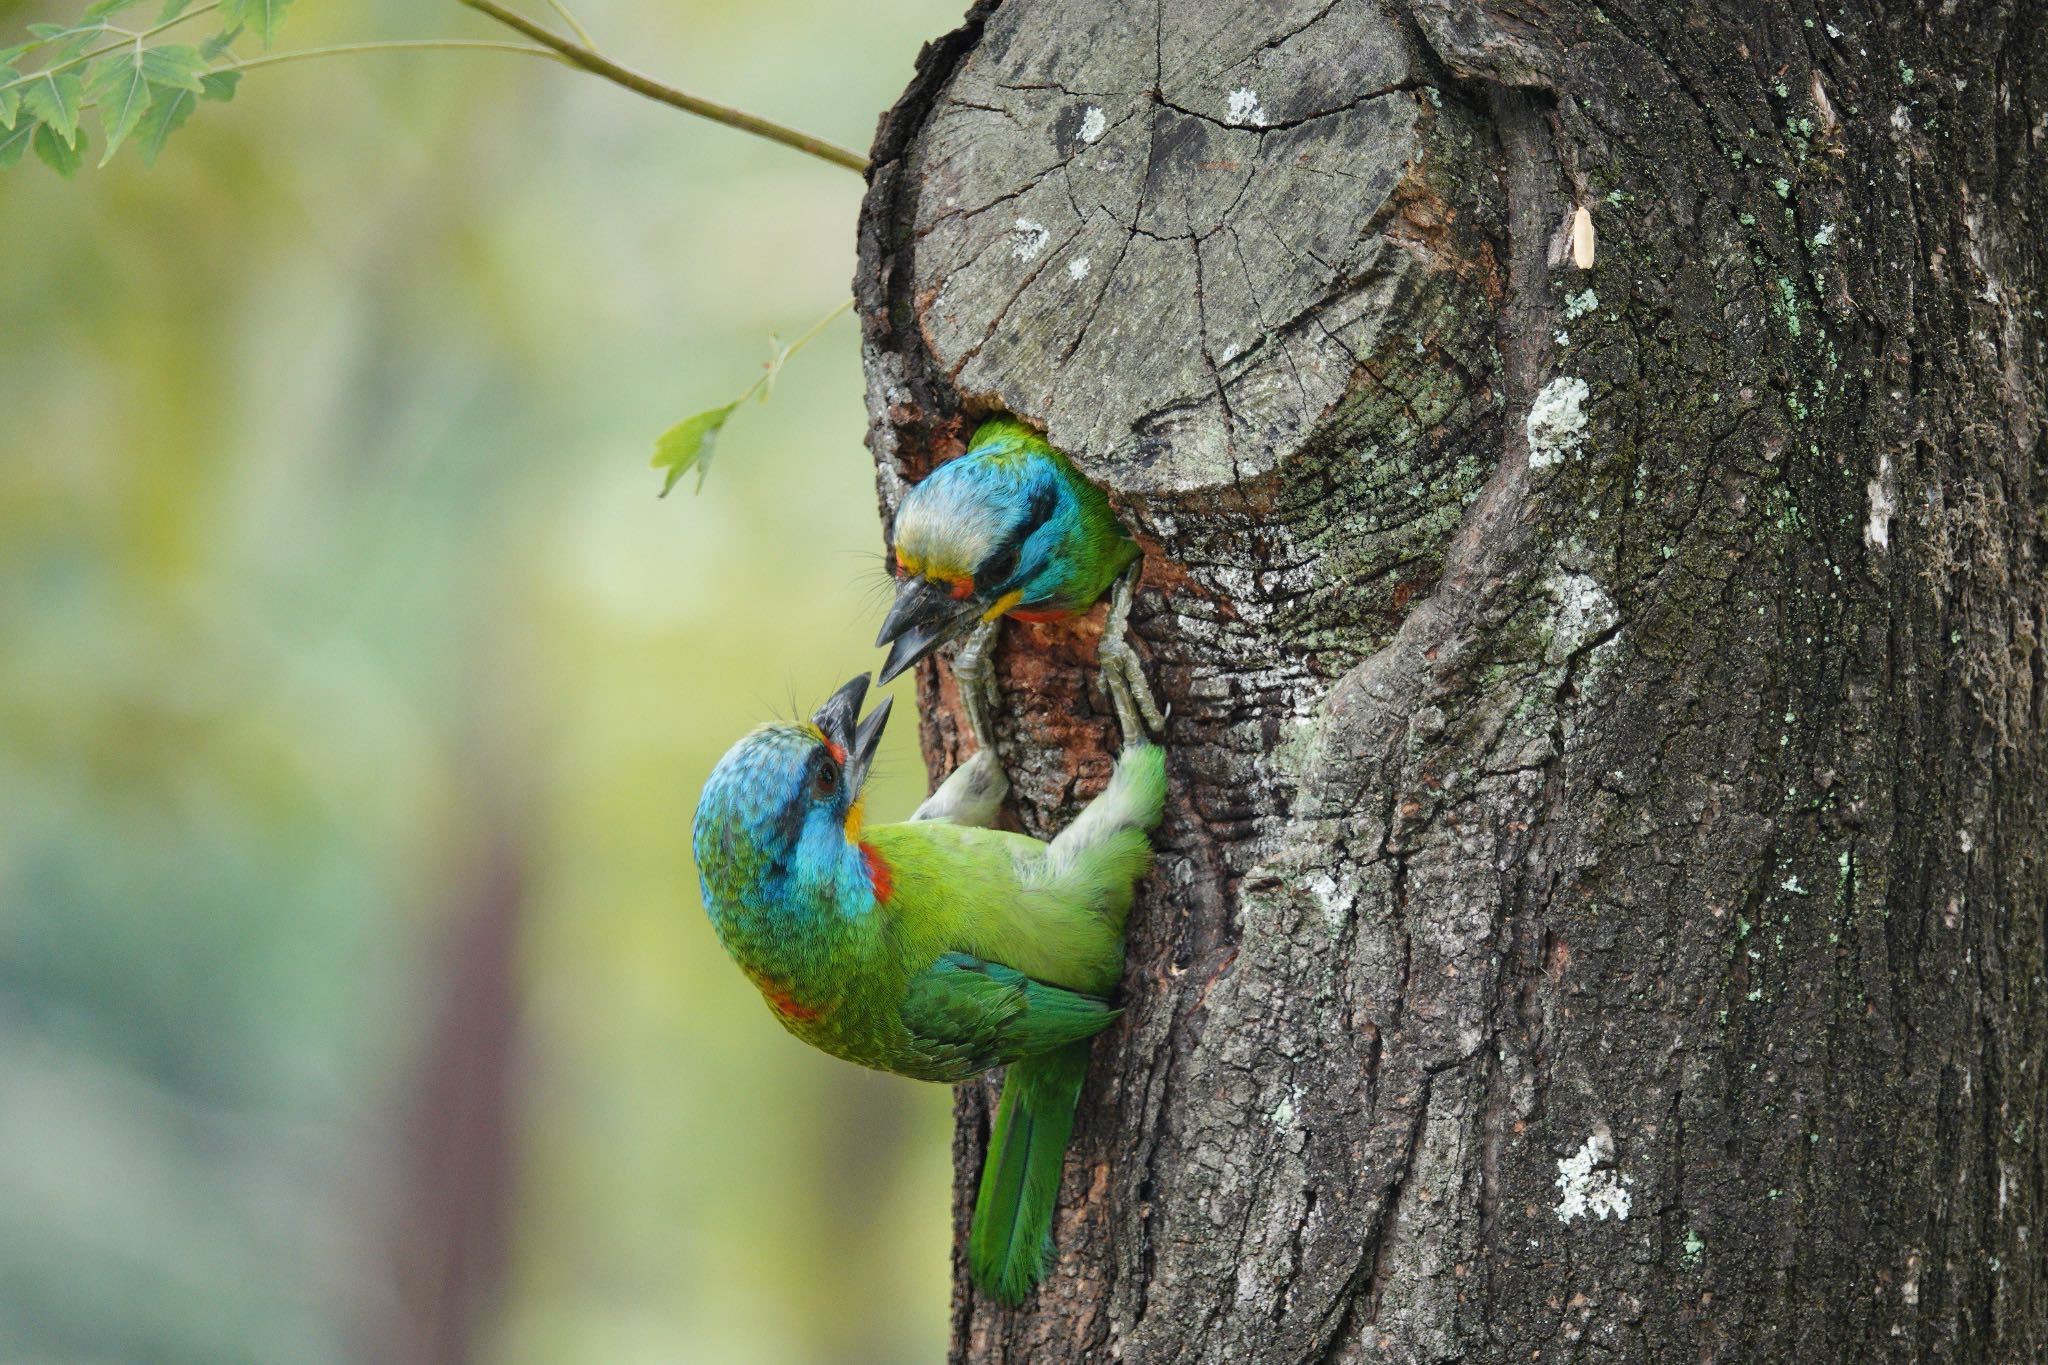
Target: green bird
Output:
{"points": [[1011, 528], [934, 948]]}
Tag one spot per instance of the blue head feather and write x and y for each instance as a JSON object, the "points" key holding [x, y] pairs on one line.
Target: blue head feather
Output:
{"points": [[1008, 517], [770, 840]]}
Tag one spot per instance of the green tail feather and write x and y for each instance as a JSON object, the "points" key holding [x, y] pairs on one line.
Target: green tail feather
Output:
{"points": [[1020, 1178]]}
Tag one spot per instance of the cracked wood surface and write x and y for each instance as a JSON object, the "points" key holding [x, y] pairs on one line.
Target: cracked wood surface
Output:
{"points": [[1637, 810]]}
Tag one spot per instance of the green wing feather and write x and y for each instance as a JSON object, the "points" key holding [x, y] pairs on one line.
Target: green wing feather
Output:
{"points": [[981, 1014]]}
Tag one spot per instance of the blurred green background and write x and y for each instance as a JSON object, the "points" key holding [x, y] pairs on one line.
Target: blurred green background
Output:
{"points": [[356, 1001]]}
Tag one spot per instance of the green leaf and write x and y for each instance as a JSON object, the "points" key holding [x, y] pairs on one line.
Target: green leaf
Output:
{"points": [[121, 91], [219, 43], [69, 39], [10, 99], [177, 66], [59, 155], [167, 114], [54, 97], [13, 144], [219, 85], [101, 9], [264, 16], [689, 443], [172, 9]]}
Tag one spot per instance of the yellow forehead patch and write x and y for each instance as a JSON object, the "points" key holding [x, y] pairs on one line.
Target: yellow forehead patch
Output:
{"points": [[940, 568]]}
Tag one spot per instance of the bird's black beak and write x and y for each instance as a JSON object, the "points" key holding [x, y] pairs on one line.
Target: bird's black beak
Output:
{"points": [[924, 616], [840, 719]]}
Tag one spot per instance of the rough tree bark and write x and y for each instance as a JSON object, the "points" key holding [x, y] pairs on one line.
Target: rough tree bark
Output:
{"points": [[1600, 911]]}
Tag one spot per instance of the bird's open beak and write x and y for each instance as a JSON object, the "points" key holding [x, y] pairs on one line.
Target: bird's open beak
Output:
{"points": [[925, 616], [840, 719]]}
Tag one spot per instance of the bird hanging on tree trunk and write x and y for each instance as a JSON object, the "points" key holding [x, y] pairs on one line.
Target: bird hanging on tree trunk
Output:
{"points": [[1010, 528], [935, 948]]}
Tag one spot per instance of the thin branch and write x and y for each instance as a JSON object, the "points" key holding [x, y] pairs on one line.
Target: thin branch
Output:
{"points": [[767, 381], [581, 32], [397, 45], [596, 63]]}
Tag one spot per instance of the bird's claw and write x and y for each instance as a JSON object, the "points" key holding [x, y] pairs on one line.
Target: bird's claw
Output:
{"points": [[1123, 676], [975, 676]]}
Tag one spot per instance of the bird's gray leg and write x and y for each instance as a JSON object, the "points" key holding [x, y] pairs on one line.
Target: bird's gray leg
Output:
{"points": [[972, 671], [971, 795], [1123, 677], [973, 792]]}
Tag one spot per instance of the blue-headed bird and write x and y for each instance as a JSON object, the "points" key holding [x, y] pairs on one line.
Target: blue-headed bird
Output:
{"points": [[934, 948], [1010, 528]]}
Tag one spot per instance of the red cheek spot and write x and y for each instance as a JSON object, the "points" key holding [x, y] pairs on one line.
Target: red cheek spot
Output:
{"points": [[962, 587], [879, 877], [786, 1005], [782, 1001], [838, 752]]}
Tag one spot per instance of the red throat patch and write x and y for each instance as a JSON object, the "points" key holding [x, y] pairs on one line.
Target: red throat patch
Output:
{"points": [[879, 879]]}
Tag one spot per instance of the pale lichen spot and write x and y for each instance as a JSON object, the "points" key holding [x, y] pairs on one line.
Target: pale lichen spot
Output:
{"points": [[1557, 422], [1077, 269], [1589, 1185], [1093, 124], [1244, 110], [1578, 305], [1028, 238], [1582, 611], [1332, 899], [1824, 237], [1877, 532]]}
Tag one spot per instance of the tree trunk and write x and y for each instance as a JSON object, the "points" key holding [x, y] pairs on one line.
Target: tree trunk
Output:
{"points": [[1591, 469]]}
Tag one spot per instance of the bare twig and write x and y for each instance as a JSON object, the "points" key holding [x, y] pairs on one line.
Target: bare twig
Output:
{"points": [[582, 33], [577, 54]]}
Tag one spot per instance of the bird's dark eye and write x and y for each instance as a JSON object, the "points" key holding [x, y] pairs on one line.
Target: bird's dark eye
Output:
{"points": [[826, 780]]}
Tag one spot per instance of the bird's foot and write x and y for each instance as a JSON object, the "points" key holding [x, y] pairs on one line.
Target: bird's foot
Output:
{"points": [[1123, 676], [975, 674]]}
